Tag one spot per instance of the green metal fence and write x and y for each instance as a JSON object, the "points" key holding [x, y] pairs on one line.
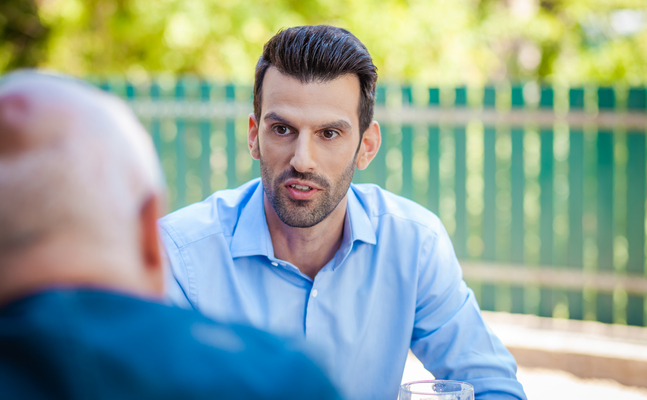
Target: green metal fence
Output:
{"points": [[542, 189]]}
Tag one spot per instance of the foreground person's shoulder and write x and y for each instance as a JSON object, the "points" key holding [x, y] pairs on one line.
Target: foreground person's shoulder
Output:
{"points": [[170, 353], [238, 361]]}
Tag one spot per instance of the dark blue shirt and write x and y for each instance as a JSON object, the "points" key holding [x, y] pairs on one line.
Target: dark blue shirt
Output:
{"points": [[88, 344]]}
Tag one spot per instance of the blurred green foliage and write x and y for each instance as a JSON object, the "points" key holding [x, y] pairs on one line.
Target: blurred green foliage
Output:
{"points": [[22, 35], [427, 41]]}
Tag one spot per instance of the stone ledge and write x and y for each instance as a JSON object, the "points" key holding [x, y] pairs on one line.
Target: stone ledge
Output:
{"points": [[584, 348]]}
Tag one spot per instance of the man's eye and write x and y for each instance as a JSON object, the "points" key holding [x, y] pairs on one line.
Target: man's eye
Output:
{"points": [[281, 129], [329, 134]]}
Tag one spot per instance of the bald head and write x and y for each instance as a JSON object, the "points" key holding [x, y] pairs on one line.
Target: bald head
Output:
{"points": [[77, 173]]}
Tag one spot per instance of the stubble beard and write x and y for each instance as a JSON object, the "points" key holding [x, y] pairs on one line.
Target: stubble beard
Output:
{"points": [[305, 213]]}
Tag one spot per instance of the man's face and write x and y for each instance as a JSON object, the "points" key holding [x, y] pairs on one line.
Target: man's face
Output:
{"points": [[307, 138]]}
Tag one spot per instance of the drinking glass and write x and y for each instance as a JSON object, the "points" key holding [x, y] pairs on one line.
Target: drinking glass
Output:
{"points": [[436, 390]]}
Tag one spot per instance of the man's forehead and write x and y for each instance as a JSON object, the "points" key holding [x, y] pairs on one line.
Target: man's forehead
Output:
{"points": [[286, 94], [273, 74]]}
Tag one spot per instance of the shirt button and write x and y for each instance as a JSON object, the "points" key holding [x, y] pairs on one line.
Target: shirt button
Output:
{"points": [[313, 293], [275, 264]]}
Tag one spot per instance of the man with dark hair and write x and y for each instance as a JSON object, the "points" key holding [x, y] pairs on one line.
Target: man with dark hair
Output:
{"points": [[81, 274], [362, 274]]}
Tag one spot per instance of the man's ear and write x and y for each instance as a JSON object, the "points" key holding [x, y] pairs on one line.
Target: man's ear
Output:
{"points": [[370, 145], [150, 244], [252, 137]]}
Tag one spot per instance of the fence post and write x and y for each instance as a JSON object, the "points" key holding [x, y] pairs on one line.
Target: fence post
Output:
{"points": [[406, 147], [433, 191], [489, 97], [230, 133], [517, 191], [180, 150], [460, 176], [546, 97], [205, 142], [637, 99], [380, 158], [636, 220], [489, 194], [546, 176], [575, 217], [605, 225]]}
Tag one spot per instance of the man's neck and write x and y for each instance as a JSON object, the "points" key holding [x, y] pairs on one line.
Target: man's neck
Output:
{"points": [[309, 249], [69, 261]]}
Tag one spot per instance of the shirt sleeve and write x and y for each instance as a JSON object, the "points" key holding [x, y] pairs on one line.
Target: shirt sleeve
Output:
{"points": [[450, 336], [176, 278]]}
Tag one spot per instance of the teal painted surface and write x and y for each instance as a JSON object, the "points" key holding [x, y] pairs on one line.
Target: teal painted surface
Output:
{"points": [[603, 172], [205, 143], [517, 100], [517, 225], [380, 95], [517, 183], [546, 253], [180, 157], [636, 202], [575, 252], [155, 129], [407, 159], [606, 98], [407, 95], [576, 200], [546, 179], [489, 194], [460, 97], [434, 97], [546, 97], [605, 220], [433, 190], [180, 153], [459, 238], [489, 97], [637, 99], [379, 162], [576, 98], [230, 132], [635, 221]]}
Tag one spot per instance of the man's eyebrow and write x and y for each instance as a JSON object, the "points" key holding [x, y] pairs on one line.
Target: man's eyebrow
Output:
{"points": [[275, 117], [340, 124]]}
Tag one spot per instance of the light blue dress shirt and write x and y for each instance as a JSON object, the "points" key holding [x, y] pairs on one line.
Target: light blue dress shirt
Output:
{"points": [[394, 284]]}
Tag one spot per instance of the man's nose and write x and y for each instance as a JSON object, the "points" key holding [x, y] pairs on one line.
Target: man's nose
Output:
{"points": [[303, 158]]}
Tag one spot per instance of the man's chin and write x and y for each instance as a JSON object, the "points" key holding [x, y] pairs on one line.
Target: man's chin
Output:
{"points": [[302, 218], [299, 203]]}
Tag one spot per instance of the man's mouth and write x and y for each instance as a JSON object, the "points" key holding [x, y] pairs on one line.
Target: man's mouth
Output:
{"points": [[301, 188]]}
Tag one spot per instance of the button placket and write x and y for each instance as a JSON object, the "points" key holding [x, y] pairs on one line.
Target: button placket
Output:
{"points": [[312, 315]]}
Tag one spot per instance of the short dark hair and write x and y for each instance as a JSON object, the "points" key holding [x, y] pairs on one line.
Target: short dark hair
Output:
{"points": [[319, 53]]}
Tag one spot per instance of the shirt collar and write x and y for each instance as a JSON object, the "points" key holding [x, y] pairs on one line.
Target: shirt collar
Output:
{"points": [[252, 236], [360, 224]]}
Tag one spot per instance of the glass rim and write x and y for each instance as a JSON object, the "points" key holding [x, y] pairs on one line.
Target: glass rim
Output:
{"points": [[469, 386]]}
